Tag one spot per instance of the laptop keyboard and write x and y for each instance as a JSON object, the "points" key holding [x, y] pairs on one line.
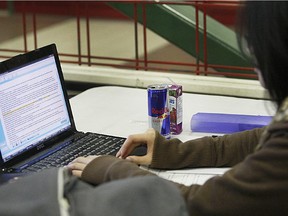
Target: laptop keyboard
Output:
{"points": [[90, 144]]}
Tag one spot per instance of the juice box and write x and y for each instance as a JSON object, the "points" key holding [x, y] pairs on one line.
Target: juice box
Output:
{"points": [[176, 110]]}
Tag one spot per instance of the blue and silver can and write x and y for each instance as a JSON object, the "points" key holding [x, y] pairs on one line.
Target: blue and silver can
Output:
{"points": [[158, 108]]}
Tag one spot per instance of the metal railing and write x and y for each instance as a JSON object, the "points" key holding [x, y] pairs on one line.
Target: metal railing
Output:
{"points": [[82, 15]]}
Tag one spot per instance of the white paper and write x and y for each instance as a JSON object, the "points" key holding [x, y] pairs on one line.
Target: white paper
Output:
{"points": [[189, 176]]}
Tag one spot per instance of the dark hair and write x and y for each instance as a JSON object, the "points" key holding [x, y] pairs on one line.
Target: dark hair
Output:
{"points": [[264, 25]]}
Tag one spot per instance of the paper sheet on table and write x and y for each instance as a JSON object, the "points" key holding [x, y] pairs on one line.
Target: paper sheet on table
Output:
{"points": [[189, 176]]}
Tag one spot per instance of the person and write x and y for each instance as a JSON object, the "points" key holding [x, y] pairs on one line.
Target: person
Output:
{"points": [[257, 183]]}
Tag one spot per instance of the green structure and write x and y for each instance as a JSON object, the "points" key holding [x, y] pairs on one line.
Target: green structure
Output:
{"points": [[177, 24]]}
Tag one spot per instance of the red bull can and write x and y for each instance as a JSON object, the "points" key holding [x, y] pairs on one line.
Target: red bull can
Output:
{"points": [[158, 108]]}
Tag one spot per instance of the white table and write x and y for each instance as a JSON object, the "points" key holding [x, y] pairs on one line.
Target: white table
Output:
{"points": [[122, 111]]}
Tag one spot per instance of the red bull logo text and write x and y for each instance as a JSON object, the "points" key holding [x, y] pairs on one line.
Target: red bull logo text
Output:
{"points": [[159, 112]]}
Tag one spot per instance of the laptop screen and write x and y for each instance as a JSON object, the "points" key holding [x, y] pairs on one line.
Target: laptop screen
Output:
{"points": [[32, 106]]}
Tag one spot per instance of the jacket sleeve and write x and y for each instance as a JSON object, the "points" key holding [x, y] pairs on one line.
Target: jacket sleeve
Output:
{"points": [[226, 150], [107, 168], [256, 186]]}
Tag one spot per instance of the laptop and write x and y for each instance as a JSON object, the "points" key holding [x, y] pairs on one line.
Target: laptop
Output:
{"points": [[37, 130]]}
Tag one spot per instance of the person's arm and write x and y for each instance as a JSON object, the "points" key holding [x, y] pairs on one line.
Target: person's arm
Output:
{"points": [[226, 150], [256, 186], [219, 151], [107, 168]]}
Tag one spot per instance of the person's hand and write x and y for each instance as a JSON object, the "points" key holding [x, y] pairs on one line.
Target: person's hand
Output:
{"points": [[77, 165], [135, 140]]}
